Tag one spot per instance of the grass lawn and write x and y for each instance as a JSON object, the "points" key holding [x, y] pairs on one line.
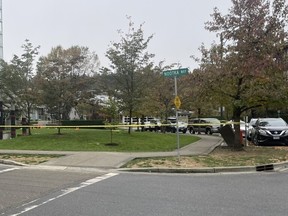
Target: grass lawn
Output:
{"points": [[95, 140]]}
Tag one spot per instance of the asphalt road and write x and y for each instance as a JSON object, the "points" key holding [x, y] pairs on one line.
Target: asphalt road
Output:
{"points": [[19, 185], [133, 194]]}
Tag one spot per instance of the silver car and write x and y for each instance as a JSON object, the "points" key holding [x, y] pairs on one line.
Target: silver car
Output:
{"points": [[251, 126], [204, 125]]}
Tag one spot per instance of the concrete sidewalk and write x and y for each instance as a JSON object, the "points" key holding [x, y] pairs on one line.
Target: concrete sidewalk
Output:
{"points": [[114, 160]]}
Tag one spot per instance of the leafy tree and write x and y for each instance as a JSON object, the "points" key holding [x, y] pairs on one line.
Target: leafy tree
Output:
{"points": [[18, 80], [129, 59], [247, 69], [160, 94], [112, 114], [87, 103], [63, 76]]}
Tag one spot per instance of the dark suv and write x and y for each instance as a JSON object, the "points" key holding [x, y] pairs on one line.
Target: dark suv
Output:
{"points": [[204, 125], [270, 131]]}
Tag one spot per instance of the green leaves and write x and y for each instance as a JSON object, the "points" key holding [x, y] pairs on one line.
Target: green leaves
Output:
{"points": [[129, 60], [63, 77]]}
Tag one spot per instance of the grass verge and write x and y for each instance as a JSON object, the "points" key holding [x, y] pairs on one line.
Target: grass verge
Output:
{"points": [[220, 157]]}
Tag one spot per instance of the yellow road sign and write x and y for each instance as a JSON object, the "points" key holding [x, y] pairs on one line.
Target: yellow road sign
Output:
{"points": [[177, 102]]}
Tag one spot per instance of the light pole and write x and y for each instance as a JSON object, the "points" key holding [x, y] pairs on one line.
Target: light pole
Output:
{"points": [[1, 31]]}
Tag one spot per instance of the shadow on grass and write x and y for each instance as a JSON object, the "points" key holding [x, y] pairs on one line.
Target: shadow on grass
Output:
{"points": [[111, 144]]}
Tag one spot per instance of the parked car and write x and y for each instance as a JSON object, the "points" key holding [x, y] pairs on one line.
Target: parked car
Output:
{"points": [[251, 126], [155, 125], [204, 125], [243, 127], [270, 131], [172, 126]]}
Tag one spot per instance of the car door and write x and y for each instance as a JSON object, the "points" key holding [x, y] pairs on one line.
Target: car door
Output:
{"points": [[203, 125]]}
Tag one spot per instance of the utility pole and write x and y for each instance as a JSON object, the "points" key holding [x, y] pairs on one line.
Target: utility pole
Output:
{"points": [[1, 118], [1, 57], [1, 32]]}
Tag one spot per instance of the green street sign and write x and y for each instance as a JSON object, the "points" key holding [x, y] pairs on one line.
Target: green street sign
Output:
{"points": [[176, 72]]}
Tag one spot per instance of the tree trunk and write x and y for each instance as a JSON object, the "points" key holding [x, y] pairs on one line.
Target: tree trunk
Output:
{"points": [[236, 118], [59, 118], [130, 121], [29, 120], [111, 135]]}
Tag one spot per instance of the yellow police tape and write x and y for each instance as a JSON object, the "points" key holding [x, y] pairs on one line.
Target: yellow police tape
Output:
{"points": [[110, 126]]}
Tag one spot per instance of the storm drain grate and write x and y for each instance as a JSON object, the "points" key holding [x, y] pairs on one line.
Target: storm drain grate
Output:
{"points": [[268, 167]]}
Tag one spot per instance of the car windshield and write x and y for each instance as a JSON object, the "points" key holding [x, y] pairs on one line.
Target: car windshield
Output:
{"points": [[252, 121], [215, 121], [272, 122]]}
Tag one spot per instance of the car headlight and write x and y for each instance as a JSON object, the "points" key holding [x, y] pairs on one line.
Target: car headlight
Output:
{"points": [[262, 132], [286, 133]]}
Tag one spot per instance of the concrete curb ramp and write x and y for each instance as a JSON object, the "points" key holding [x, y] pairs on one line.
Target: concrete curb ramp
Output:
{"points": [[11, 162]]}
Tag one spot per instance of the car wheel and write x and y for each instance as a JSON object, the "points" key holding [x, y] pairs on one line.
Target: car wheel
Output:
{"points": [[208, 131], [255, 140], [191, 130], [249, 138]]}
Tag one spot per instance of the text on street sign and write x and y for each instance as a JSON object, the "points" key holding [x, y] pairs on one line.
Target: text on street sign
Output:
{"points": [[176, 72]]}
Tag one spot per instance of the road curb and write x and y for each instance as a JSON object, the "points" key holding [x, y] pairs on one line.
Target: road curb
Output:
{"points": [[191, 170], [281, 165], [258, 168], [168, 170]]}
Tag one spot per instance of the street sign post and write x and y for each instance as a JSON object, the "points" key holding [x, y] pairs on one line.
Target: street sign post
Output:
{"points": [[177, 102]]}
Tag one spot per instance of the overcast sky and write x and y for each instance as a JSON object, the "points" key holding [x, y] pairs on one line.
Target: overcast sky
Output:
{"points": [[177, 25]]}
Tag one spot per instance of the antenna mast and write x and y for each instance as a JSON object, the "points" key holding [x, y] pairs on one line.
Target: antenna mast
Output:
{"points": [[1, 32]]}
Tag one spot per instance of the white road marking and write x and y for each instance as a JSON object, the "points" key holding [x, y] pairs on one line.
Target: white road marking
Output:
{"points": [[68, 191], [8, 170]]}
